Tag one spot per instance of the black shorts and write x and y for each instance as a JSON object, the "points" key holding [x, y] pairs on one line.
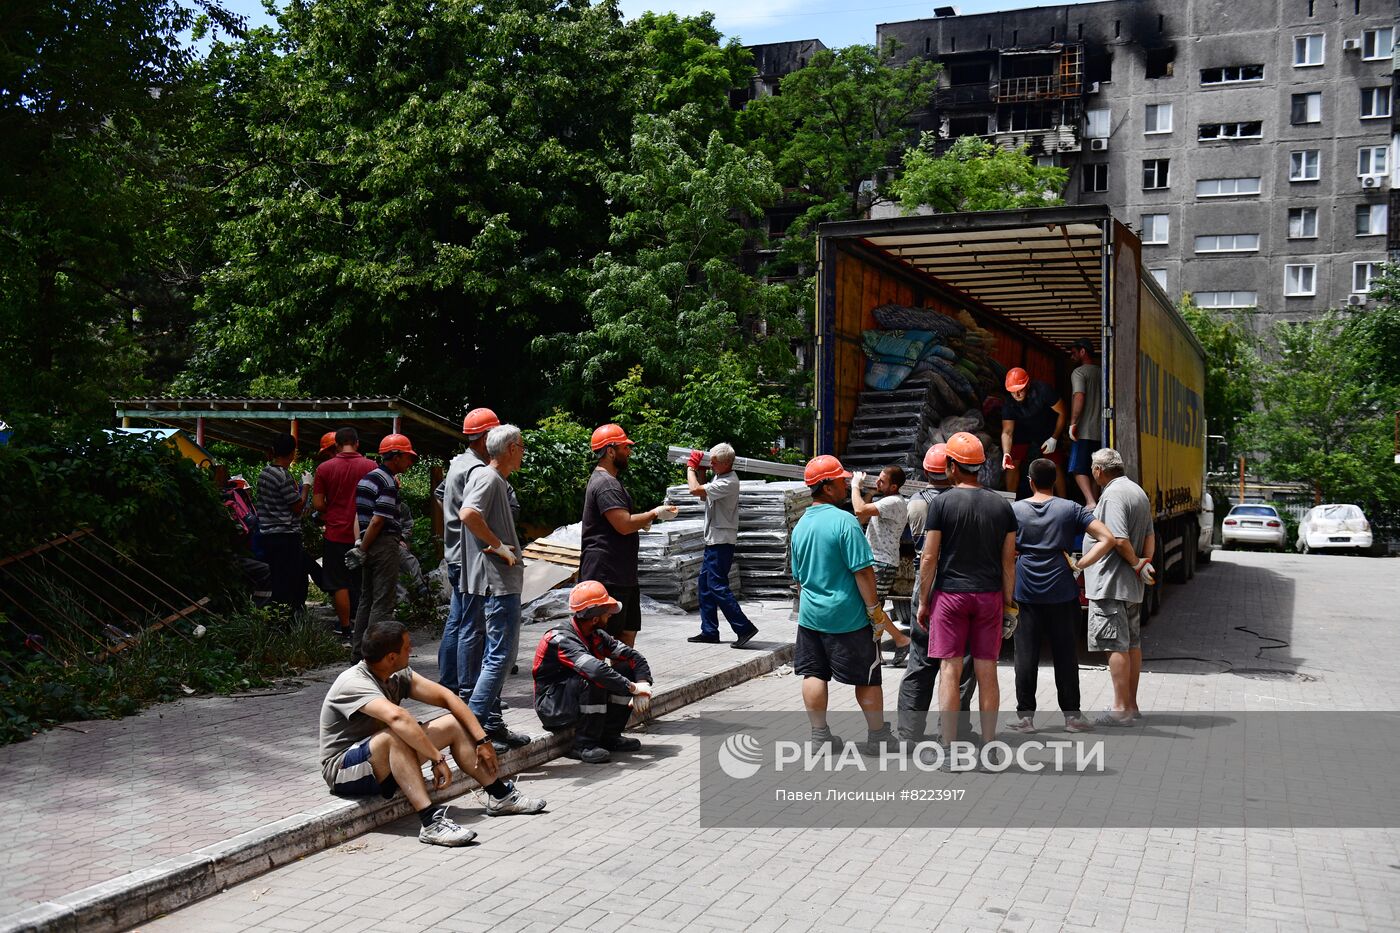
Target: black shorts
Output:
{"points": [[630, 618], [847, 658], [336, 575]]}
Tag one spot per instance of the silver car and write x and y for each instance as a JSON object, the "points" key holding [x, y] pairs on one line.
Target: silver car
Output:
{"points": [[1252, 524], [1333, 526]]}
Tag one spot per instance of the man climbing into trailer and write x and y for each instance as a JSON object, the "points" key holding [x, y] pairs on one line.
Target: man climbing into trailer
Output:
{"points": [[721, 498], [832, 562], [1032, 421], [589, 680], [1085, 418], [1117, 584]]}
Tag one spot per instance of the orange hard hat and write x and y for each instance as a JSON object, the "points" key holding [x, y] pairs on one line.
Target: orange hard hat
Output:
{"points": [[609, 434], [327, 441], [936, 460], [589, 594], [479, 421], [966, 449], [396, 444], [820, 469], [1017, 379]]}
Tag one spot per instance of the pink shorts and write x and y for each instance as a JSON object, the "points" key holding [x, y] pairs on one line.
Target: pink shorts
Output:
{"points": [[965, 623]]}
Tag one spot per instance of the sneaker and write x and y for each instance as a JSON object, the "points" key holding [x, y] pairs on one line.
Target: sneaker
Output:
{"points": [[622, 743], [589, 754], [1024, 725], [879, 740], [514, 802], [744, 639], [1110, 718], [824, 736], [1078, 724], [443, 832], [900, 657], [509, 739], [1000, 755], [703, 639]]}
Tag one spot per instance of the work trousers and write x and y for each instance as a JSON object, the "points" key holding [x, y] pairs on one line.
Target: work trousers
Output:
{"points": [[285, 562], [379, 585], [916, 689], [715, 594], [1060, 621]]}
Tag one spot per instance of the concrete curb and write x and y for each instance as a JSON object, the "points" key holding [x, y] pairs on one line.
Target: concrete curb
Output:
{"points": [[134, 898]]}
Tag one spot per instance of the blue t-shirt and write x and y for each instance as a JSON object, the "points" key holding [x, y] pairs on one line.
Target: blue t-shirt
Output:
{"points": [[828, 547], [1046, 530]]}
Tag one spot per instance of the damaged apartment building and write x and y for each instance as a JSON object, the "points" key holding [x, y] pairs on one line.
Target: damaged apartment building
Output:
{"points": [[1251, 144]]}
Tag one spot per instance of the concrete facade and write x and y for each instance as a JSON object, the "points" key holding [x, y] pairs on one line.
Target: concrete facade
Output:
{"points": [[1226, 63]]}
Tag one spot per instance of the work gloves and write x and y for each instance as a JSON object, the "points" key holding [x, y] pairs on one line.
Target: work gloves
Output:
{"points": [[1145, 571], [1010, 618], [695, 457], [1049, 446], [504, 552], [355, 557]]}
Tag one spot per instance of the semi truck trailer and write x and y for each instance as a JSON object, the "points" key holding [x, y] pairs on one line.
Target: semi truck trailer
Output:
{"points": [[1023, 286]]}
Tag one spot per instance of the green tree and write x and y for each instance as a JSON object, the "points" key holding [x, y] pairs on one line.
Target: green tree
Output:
{"points": [[418, 195], [1322, 418], [974, 175], [1232, 370], [685, 71], [836, 124], [100, 202], [670, 295]]}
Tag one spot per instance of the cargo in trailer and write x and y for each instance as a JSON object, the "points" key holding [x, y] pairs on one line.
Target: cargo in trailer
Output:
{"points": [[919, 319]]}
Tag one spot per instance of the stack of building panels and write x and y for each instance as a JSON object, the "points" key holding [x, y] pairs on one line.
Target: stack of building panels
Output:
{"points": [[668, 562]]}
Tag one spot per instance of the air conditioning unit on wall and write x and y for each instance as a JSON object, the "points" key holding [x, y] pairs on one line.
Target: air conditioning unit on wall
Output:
{"points": [[1356, 301], [1351, 45], [1098, 145]]}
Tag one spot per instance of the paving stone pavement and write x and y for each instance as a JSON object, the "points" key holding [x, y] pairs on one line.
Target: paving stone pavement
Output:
{"points": [[621, 846], [93, 802]]}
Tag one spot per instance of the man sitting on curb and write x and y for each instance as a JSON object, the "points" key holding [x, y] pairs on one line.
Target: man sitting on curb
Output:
{"points": [[371, 745], [587, 679]]}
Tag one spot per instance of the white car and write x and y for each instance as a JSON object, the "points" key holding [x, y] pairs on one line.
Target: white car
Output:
{"points": [[1204, 544], [1252, 524], [1333, 526]]}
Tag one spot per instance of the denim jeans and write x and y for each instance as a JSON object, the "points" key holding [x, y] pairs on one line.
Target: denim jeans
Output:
{"points": [[454, 662], [715, 594], [502, 639]]}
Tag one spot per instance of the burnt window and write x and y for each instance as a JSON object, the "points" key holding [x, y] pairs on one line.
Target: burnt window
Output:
{"points": [[967, 126], [1232, 74], [1096, 177], [1159, 63], [970, 73], [1098, 66]]}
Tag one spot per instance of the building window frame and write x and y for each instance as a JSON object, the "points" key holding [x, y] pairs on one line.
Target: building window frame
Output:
{"points": [[1234, 183], [1372, 160], [1301, 220], [1361, 284], [1236, 299], [1371, 43], [1095, 177], [1299, 162], [1305, 46], [1153, 122], [1377, 219], [1156, 174], [1225, 132], [1231, 74], [1375, 103], [1156, 226], [1305, 108], [1208, 243], [1300, 280]]}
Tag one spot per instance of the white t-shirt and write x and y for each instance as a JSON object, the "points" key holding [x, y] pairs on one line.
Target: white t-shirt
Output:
{"points": [[884, 530]]}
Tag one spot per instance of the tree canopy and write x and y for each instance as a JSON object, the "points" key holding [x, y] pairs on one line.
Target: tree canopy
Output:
{"points": [[974, 175]]}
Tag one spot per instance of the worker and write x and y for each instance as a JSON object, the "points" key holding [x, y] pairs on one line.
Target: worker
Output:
{"points": [[1085, 418], [920, 671], [721, 498], [609, 535], [968, 583], [832, 561], [376, 553], [464, 634], [333, 496], [885, 517], [589, 680], [1032, 420], [327, 448], [1048, 529], [280, 504]]}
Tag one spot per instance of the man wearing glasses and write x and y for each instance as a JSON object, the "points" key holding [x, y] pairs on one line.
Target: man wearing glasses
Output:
{"points": [[494, 574]]}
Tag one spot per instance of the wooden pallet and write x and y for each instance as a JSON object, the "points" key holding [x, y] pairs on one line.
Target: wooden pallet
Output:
{"points": [[564, 555]]}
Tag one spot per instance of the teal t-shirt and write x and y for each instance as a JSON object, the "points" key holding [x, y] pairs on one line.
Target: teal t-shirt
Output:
{"points": [[828, 546]]}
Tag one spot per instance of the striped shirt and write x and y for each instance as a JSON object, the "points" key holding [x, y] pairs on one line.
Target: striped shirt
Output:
{"points": [[276, 496], [378, 494]]}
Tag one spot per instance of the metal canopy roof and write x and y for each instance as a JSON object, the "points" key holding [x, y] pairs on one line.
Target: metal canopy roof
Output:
{"points": [[253, 422], [1041, 269]]}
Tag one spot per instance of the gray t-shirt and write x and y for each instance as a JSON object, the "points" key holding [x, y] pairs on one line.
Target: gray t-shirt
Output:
{"points": [[722, 510], [884, 530], [454, 547], [486, 574], [1088, 379], [1124, 508], [342, 723]]}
